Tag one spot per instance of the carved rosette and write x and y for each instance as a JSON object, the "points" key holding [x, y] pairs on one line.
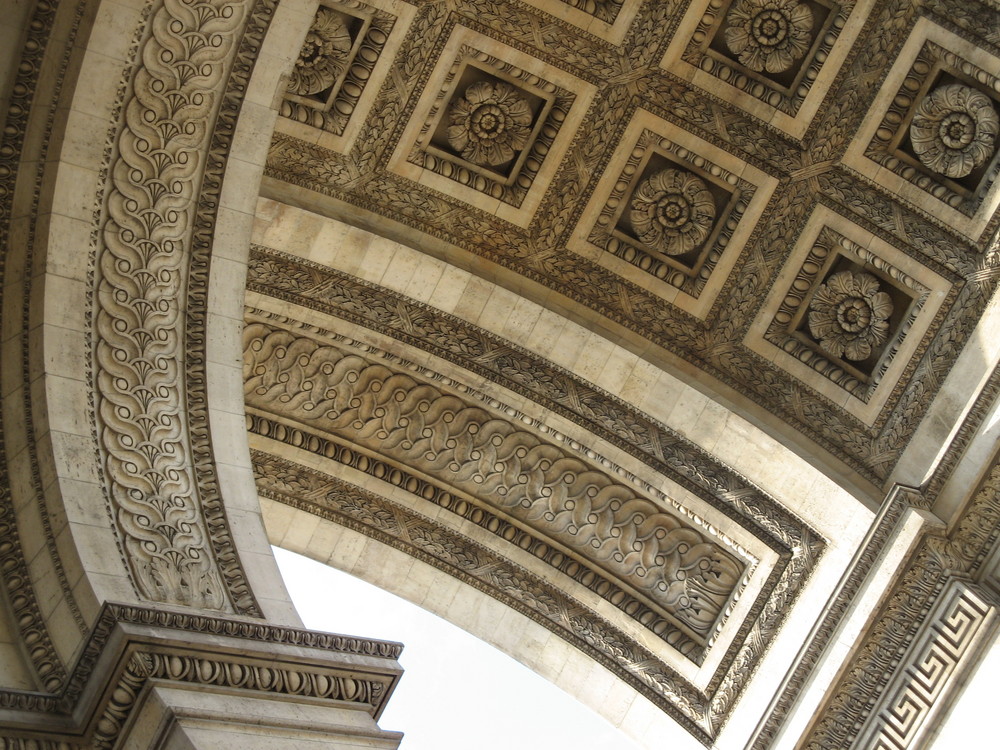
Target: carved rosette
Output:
{"points": [[324, 55], [490, 123], [672, 212], [954, 130], [849, 315], [769, 35]]}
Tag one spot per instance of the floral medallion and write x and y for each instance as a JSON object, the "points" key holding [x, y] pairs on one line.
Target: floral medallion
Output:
{"points": [[490, 123], [324, 54], [954, 130], [769, 35], [672, 212], [849, 315]]}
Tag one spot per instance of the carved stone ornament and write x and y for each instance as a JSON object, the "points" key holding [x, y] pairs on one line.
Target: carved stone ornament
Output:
{"points": [[324, 54], [849, 315], [567, 500], [769, 35], [672, 212], [954, 130], [490, 123]]}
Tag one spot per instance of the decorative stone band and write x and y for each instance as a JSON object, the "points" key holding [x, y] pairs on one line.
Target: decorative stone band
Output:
{"points": [[132, 647], [148, 338], [571, 503], [924, 583], [932, 669], [887, 523], [532, 596], [489, 356]]}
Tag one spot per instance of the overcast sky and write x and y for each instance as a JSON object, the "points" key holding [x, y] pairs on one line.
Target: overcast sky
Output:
{"points": [[457, 692]]}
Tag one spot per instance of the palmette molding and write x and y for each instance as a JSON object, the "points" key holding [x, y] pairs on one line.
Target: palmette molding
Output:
{"points": [[157, 458]]}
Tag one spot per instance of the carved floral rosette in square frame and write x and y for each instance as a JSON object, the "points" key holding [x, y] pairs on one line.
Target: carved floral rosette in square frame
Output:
{"points": [[850, 315], [335, 66], [451, 142], [775, 59], [690, 268], [476, 75], [693, 278], [940, 83]]}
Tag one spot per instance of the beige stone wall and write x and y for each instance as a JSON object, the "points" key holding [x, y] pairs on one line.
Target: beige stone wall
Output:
{"points": [[846, 505]]}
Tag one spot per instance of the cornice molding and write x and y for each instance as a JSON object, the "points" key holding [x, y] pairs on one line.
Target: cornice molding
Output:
{"points": [[132, 647]]}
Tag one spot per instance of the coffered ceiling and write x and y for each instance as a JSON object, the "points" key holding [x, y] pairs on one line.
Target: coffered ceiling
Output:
{"points": [[791, 202], [788, 208]]}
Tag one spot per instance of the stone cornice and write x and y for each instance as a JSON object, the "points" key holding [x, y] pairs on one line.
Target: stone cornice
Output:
{"points": [[131, 645]]}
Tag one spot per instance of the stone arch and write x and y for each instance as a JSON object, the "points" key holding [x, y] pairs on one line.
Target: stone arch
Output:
{"points": [[141, 133]]}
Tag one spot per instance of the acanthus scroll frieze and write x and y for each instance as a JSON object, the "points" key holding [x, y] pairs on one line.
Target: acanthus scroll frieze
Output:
{"points": [[579, 507]]}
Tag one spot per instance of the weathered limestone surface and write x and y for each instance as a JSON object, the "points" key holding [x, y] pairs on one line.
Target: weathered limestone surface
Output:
{"points": [[654, 342]]}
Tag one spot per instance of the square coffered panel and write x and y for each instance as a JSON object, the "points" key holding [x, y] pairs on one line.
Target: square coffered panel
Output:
{"points": [[849, 314], [774, 58], [342, 63], [491, 126], [677, 216], [935, 132]]}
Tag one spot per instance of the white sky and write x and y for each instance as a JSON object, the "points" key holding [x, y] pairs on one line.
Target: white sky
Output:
{"points": [[457, 692]]}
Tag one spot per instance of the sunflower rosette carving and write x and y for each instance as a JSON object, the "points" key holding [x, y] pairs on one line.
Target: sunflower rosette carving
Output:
{"points": [[324, 54], [490, 123], [672, 212], [954, 130], [849, 315], [769, 35]]}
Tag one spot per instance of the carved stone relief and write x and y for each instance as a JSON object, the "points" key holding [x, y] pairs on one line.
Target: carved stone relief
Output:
{"points": [[952, 129], [938, 128], [881, 325], [336, 64], [590, 576], [773, 50], [936, 579], [928, 672], [850, 309], [849, 315], [251, 657], [551, 240], [332, 293], [491, 126], [572, 505], [769, 35], [487, 355], [670, 218], [604, 10], [438, 545], [150, 358], [702, 712]]}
